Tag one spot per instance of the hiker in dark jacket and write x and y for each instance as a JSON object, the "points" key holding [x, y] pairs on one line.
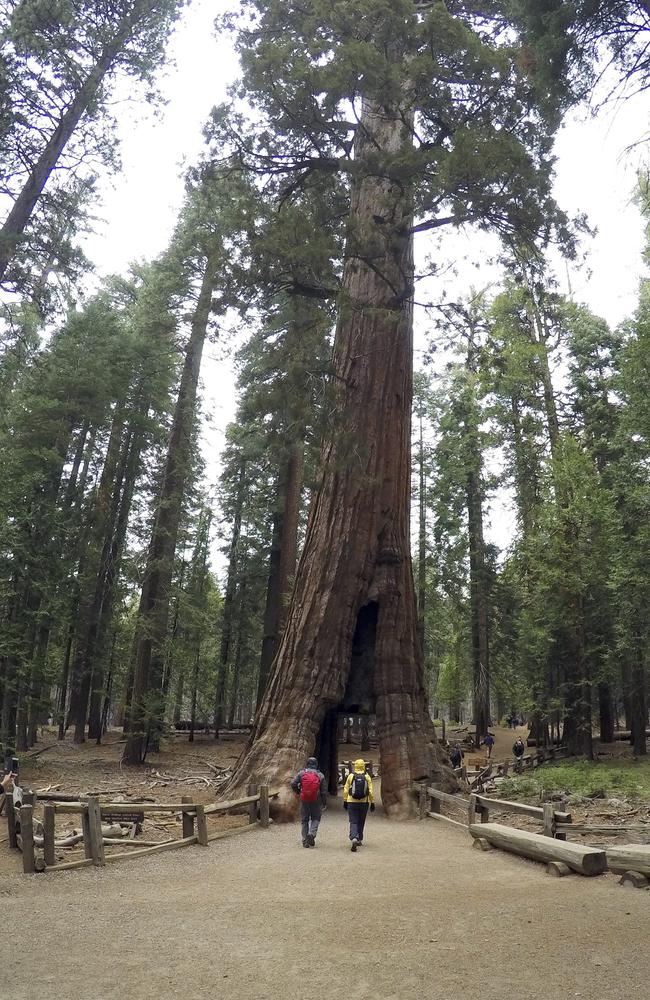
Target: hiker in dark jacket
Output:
{"points": [[518, 749], [309, 784], [456, 756]]}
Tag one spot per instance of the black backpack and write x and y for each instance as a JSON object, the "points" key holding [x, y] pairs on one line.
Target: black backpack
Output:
{"points": [[359, 787]]}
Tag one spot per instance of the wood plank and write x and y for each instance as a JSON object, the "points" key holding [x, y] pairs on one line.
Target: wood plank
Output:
{"points": [[64, 866], [447, 819], [166, 845], [27, 837], [502, 805], [579, 857], [48, 834], [221, 834], [603, 828], [453, 800]]}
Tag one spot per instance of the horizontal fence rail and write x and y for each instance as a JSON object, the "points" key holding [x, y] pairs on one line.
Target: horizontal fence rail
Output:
{"points": [[21, 827]]}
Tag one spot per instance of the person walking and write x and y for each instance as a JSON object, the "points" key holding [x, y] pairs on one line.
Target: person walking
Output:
{"points": [[357, 798], [488, 742], [310, 785], [518, 749], [456, 756]]}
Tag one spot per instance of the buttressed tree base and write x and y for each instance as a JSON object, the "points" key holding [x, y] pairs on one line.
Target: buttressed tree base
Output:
{"points": [[350, 642]]}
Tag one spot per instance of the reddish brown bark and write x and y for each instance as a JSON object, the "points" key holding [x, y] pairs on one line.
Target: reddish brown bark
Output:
{"points": [[356, 563]]}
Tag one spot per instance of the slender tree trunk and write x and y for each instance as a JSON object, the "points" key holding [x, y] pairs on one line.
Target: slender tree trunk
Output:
{"points": [[146, 707], [282, 560], [103, 517], [102, 612], [478, 582], [422, 549], [606, 708], [228, 606], [21, 212], [356, 563], [639, 720]]}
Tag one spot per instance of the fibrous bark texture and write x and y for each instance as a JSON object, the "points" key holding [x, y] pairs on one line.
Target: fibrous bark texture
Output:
{"points": [[354, 585]]}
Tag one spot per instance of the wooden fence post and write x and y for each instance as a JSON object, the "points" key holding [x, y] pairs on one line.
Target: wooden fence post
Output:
{"points": [[264, 805], [423, 796], [187, 821], [549, 819], [201, 826], [95, 838], [85, 831], [251, 789], [48, 833], [27, 838], [11, 822]]}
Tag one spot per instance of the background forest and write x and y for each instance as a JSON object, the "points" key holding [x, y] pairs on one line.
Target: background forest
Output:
{"points": [[140, 588]]}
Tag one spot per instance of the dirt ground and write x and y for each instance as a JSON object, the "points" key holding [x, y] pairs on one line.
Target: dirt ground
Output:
{"points": [[181, 768], [415, 913]]}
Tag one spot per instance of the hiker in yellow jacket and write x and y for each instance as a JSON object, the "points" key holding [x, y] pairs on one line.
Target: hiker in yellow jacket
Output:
{"points": [[357, 797]]}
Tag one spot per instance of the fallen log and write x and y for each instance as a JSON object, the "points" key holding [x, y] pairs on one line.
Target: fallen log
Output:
{"points": [[582, 859], [629, 857]]}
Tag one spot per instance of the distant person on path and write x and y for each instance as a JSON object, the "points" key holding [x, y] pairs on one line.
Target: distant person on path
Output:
{"points": [[309, 784], [357, 797], [488, 743], [456, 756], [518, 749]]}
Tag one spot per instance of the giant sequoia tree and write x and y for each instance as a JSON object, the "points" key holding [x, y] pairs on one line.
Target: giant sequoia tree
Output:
{"points": [[423, 108]]}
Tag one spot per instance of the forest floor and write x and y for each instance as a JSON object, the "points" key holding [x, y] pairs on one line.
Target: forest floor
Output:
{"points": [[415, 913]]}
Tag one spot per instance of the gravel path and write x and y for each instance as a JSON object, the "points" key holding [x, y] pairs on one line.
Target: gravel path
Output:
{"points": [[416, 913]]}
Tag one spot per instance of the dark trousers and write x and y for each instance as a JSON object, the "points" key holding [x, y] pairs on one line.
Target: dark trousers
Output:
{"points": [[357, 812], [310, 814]]}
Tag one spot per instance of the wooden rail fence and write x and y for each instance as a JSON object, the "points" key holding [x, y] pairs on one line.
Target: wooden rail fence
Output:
{"points": [[193, 826], [551, 846]]}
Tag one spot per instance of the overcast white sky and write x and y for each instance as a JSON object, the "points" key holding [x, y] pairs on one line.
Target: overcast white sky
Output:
{"points": [[595, 175]]}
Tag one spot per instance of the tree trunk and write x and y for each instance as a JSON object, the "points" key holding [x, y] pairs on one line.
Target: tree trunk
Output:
{"points": [[478, 601], [422, 548], [228, 606], [146, 708], [356, 563], [606, 708], [639, 718], [104, 513], [282, 560], [124, 491], [25, 203]]}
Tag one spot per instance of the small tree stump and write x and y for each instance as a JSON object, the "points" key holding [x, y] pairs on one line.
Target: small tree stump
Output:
{"points": [[481, 844], [633, 880], [558, 869]]}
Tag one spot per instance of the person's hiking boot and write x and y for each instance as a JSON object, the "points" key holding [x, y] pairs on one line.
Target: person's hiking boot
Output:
{"points": [[305, 843], [355, 844], [311, 840]]}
